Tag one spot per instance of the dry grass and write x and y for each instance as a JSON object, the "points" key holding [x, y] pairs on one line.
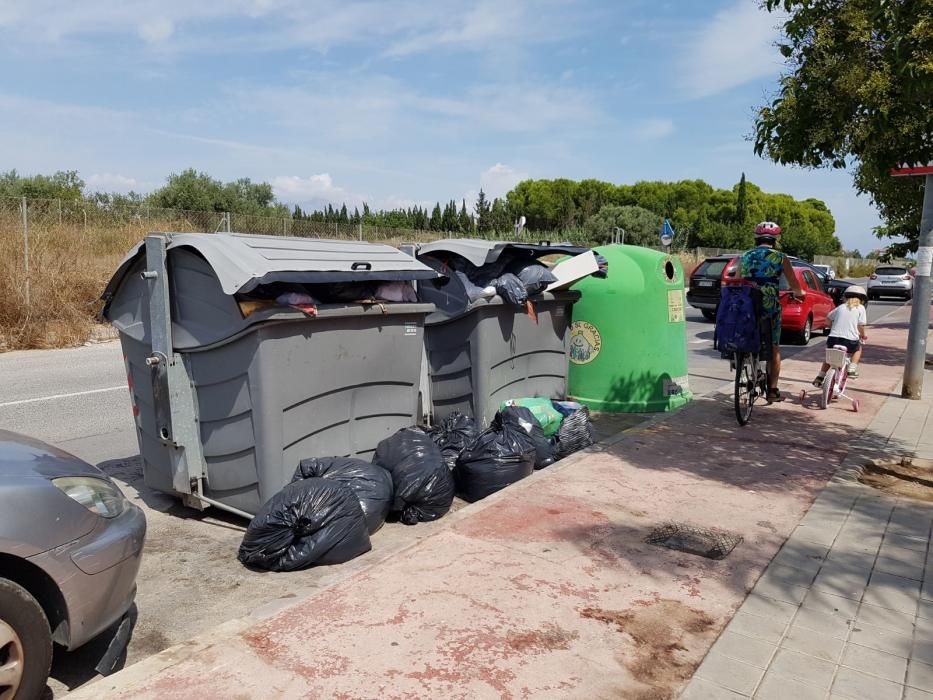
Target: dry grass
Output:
{"points": [[68, 269]]}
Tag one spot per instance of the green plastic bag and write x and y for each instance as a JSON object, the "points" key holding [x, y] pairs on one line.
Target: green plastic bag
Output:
{"points": [[542, 409]]}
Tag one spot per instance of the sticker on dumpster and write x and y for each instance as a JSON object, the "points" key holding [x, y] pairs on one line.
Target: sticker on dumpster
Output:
{"points": [[585, 342], [675, 305], [676, 386], [411, 329]]}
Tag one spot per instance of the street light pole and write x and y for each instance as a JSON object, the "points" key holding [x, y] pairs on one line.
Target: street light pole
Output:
{"points": [[920, 307]]}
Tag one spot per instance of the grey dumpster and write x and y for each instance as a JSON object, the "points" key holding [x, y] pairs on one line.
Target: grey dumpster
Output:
{"points": [[483, 352], [228, 399]]}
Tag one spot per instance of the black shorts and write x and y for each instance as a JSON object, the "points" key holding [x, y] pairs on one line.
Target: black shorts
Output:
{"points": [[850, 345]]}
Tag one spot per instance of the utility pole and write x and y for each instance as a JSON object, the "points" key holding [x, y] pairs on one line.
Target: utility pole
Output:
{"points": [[920, 306]]}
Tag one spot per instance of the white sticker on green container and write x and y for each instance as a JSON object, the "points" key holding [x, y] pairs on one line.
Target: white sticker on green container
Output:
{"points": [[675, 305], [585, 342]]}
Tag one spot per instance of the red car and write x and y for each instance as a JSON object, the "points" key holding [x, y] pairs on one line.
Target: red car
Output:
{"points": [[799, 319]]}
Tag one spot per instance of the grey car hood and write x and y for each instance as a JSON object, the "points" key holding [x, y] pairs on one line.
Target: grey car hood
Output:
{"points": [[25, 456]]}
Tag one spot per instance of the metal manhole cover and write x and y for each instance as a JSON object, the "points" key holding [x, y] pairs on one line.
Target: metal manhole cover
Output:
{"points": [[702, 541]]}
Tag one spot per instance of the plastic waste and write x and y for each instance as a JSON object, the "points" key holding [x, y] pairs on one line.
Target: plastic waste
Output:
{"points": [[371, 483], [309, 522], [498, 457], [545, 451], [295, 299], [543, 409], [535, 276], [511, 289], [575, 433], [396, 291], [424, 486], [453, 433]]}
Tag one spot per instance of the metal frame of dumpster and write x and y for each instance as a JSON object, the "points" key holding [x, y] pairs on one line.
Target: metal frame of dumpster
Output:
{"points": [[215, 412], [478, 354]]}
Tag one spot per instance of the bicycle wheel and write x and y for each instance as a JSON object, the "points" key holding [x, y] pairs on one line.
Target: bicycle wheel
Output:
{"points": [[745, 385], [829, 383]]}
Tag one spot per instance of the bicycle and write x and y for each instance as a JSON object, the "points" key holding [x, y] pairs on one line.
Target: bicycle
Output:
{"points": [[836, 379], [751, 382]]}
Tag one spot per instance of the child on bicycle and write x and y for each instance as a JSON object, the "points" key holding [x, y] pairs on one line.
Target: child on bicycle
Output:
{"points": [[849, 321]]}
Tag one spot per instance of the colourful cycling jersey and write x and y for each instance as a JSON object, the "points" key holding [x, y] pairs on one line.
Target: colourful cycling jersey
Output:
{"points": [[765, 266]]}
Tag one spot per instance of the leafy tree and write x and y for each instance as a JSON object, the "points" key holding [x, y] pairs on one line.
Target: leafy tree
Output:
{"points": [[641, 225], [856, 93], [499, 216], [484, 223], [344, 217], [437, 223], [64, 184]]}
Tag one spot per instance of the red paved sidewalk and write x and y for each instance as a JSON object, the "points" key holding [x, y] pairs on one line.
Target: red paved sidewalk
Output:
{"points": [[547, 589]]}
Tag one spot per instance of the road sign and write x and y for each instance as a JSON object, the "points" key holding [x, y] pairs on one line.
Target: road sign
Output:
{"points": [[667, 233], [912, 170]]}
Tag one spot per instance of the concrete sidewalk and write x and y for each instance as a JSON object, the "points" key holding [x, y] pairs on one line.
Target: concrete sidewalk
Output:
{"points": [[549, 589]]}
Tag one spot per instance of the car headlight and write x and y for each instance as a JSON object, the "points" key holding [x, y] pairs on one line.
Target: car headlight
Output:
{"points": [[97, 495]]}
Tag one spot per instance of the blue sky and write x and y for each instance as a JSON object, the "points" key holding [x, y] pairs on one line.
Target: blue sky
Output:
{"points": [[397, 102]]}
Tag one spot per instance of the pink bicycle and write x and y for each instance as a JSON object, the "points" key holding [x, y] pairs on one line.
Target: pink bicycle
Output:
{"points": [[837, 376]]}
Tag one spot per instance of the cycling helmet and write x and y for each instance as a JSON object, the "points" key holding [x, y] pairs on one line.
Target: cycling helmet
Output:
{"points": [[855, 291], [768, 228]]}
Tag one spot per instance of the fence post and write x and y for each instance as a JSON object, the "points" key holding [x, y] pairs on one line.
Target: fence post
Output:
{"points": [[361, 230], [227, 221], [84, 211], [59, 211], [22, 207]]}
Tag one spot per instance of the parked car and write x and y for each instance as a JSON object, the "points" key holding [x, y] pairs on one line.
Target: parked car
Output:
{"points": [[706, 281], [890, 281], [826, 271], [70, 549], [800, 318]]}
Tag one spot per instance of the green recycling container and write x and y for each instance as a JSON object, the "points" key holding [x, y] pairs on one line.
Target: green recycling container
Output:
{"points": [[628, 340]]}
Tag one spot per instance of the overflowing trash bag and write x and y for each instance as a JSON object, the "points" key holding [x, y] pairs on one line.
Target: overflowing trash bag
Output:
{"points": [[309, 522], [575, 433], [498, 457], [371, 483], [535, 276], [424, 486], [545, 452], [542, 409], [511, 289], [453, 433]]}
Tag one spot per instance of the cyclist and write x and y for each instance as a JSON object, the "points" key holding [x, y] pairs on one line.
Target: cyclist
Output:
{"points": [[849, 321], [763, 265]]}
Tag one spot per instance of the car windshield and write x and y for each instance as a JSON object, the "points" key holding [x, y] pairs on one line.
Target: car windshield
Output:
{"points": [[711, 268], [890, 271]]}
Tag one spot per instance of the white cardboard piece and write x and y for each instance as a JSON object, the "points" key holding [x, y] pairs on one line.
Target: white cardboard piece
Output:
{"points": [[572, 270]]}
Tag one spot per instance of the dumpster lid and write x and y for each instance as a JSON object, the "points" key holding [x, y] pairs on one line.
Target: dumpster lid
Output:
{"points": [[483, 252], [243, 262]]}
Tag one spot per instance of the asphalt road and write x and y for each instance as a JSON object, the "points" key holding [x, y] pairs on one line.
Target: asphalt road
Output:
{"points": [[77, 399]]}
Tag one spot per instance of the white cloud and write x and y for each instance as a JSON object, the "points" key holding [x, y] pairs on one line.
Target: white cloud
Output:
{"points": [[499, 179], [653, 129], [736, 47], [313, 190], [156, 30], [111, 182]]}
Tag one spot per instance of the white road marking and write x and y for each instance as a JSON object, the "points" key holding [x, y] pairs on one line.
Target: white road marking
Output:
{"points": [[63, 396]]}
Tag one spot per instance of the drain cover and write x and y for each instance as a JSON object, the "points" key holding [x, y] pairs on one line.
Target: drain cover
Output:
{"points": [[702, 541]]}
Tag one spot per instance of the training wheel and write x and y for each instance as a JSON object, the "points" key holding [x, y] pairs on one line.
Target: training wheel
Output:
{"points": [[856, 405]]}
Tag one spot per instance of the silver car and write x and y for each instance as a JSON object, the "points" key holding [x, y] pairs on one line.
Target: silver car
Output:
{"points": [[890, 281], [70, 549]]}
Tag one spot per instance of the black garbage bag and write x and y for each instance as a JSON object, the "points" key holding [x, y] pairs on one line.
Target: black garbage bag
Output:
{"points": [[523, 418], [453, 433], [511, 289], [424, 486], [309, 522], [576, 432], [500, 456], [371, 483], [535, 276]]}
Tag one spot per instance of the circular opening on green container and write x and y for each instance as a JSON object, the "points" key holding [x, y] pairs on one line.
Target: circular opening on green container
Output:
{"points": [[669, 271]]}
